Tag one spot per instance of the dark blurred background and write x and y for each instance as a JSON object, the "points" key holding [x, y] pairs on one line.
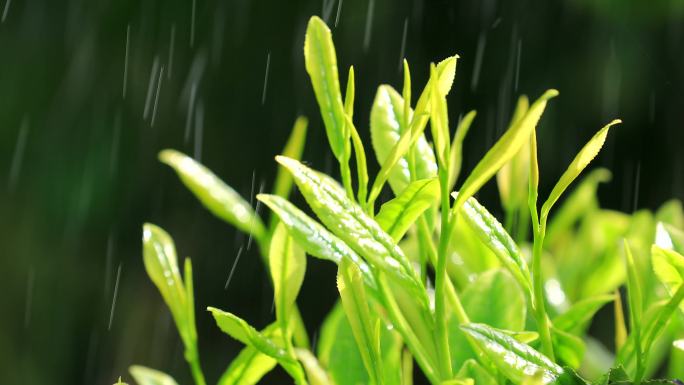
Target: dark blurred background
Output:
{"points": [[80, 127]]}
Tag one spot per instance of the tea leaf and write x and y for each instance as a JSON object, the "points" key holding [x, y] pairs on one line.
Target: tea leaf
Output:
{"points": [[456, 155], [314, 372], [293, 149], [240, 330], [146, 376], [247, 368], [669, 268], [287, 264], [492, 234], [355, 303], [586, 155], [568, 348], [576, 318], [387, 128], [472, 369], [512, 178], [515, 360], [348, 221], [321, 65], [397, 215], [669, 237], [439, 120], [216, 196], [312, 237], [635, 306], [504, 149]]}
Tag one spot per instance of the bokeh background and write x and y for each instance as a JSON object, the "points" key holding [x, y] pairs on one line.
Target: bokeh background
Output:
{"points": [[91, 90]]}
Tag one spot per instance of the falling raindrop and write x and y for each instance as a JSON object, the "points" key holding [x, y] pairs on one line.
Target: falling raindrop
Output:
{"points": [[156, 96], [479, 53], [116, 291], [125, 74], [232, 269], [339, 11], [191, 107], [517, 65], [6, 10], [268, 64], [637, 183], [150, 87], [369, 23], [403, 44]]}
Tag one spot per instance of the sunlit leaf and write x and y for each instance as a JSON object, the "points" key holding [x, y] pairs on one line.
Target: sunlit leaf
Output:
{"points": [[287, 264], [575, 319], [387, 117], [247, 368], [514, 359], [504, 149], [512, 178], [146, 376], [293, 149], [314, 372], [456, 155], [586, 155], [214, 194], [669, 268], [397, 215], [321, 65]]}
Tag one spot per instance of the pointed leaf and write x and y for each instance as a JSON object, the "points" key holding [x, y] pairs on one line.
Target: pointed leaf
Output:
{"points": [[214, 194], [515, 360], [349, 222], [355, 303], [512, 178], [293, 149], [586, 155], [387, 117], [504, 149], [577, 317], [321, 65], [146, 376], [247, 368], [669, 268], [314, 238], [492, 233], [397, 215], [287, 264]]}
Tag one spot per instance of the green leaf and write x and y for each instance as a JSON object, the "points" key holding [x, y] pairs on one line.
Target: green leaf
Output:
{"points": [[472, 369], [161, 264], [494, 299], [669, 237], [247, 368], [635, 304], [586, 155], [355, 303], [287, 264], [146, 376], [439, 120], [348, 221], [456, 155], [240, 330], [568, 348], [314, 372], [386, 127], [577, 317], [513, 177], [515, 360], [397, 215], [504, 149], [314, 238], [669, 268], [293, 149], [321, 65], [492, 234], [216, 196]]}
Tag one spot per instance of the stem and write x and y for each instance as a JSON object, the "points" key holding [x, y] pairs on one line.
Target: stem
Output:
{"points": [[441, 277], [539, 306], [192, 357], [345, 173]]}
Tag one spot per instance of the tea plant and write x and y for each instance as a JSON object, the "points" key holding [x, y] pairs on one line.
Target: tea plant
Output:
{"points": [[432, 277]]}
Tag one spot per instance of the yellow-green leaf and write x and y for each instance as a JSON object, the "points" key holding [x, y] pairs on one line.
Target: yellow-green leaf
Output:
{"points": [[293, 149], [287, 264], [397, 215], [147, 376], [214, 194], [669, 268], [321, 64], [586, 155], [512, 178], [504, 149]]}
